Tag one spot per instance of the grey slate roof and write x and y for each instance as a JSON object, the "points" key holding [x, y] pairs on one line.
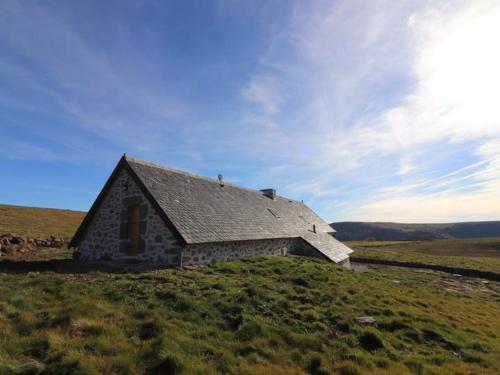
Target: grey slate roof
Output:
{"points": [[204, 211], [332, 248]]}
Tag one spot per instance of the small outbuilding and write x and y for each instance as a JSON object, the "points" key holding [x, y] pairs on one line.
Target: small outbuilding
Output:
{"points": [[152, 213]]}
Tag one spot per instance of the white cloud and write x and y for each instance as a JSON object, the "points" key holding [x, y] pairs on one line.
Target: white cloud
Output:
{"points": [[391, 93], [263, 91], [433, 208], [406, 165], [389, 106], [457, 80]]}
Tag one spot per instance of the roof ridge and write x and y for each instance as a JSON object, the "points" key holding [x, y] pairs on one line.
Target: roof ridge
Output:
{"points": [[194, 175]]}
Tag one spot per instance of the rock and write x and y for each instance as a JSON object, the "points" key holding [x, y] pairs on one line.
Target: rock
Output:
{"points": [[17, 240], [9, 240], [365, 320]]}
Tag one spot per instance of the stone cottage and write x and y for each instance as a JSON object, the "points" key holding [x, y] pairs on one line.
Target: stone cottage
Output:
{"points": [[152, 213]]}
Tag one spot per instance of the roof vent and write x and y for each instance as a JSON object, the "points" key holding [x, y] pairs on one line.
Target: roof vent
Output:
{"points": [[270, 193], [221, 180]]}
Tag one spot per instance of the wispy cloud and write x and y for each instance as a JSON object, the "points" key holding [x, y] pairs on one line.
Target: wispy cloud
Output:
{"points": [[52, 63], [391, 95], [375, 110], [263, 91]]}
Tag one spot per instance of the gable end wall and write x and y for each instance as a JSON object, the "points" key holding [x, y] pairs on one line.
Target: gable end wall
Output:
{"points": [[105, 237]]}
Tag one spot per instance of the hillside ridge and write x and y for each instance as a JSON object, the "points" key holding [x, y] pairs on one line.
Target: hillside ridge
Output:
{"points": [[392, 231], [39, 221]]}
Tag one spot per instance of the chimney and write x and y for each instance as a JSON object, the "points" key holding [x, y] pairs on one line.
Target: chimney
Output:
{"points": [[270, 193], [221, 180]]}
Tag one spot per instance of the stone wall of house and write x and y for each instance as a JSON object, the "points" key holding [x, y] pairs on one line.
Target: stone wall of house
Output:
{"points": [[226, 251], [106, 236]]}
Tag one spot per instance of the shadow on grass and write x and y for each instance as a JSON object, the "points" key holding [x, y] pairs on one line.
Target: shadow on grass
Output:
{"points": [[71, 266]]}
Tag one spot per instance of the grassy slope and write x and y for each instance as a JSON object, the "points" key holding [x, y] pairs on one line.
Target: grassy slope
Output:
{"points": [[481, 254], [262, 316], [39, 222]]}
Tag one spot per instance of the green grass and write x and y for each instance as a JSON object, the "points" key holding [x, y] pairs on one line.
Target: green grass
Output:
{"points": [[39, 222], [478, 253], [280, 315]]}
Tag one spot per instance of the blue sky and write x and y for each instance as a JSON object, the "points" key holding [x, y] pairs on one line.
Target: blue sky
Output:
{"points": [[373, 110]]}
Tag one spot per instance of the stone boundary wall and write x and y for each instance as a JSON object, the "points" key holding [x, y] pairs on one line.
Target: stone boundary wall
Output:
{"points": [[106, 237]]}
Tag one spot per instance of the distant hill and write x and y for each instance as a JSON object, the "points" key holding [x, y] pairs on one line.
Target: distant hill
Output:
{"points": [[39, 222], [354, 231]]}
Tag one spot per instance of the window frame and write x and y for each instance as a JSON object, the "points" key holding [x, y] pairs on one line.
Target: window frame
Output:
{"points": [[134, 228], [274, 212]]}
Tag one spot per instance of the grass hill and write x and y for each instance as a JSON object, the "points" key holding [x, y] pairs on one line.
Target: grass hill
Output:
{"points": [[279, 315], [358, 231], [39, 222], [481, 254]]}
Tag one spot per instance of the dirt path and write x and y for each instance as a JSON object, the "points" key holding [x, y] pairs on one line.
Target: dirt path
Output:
{"points": [[451, 282], [487, 275]]}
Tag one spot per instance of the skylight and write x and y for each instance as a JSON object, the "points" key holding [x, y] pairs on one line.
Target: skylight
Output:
{"points": [[274, 213]]}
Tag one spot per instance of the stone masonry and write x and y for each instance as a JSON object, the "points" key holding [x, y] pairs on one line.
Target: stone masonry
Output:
{"points": [[106, 236], [206, 253]]}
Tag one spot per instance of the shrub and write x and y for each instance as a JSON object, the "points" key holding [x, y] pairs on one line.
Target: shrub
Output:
{"points": [[183, 305], [343, 327], [347, 368], [61, 320], [382, 363], [314, 366], [86, 327], [480, 347], [149, 330], [393, 325], [168, 365], [249, 330], [311, 315], [432, 335], [412, 334], [123, 365], [26, 367], [93, 330], [231, 313], [18, 301], [471, 357], [370, 341], [71, 364], [37, 347], [387, 312], [437, 360], [415, 366], [300, 281]]}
